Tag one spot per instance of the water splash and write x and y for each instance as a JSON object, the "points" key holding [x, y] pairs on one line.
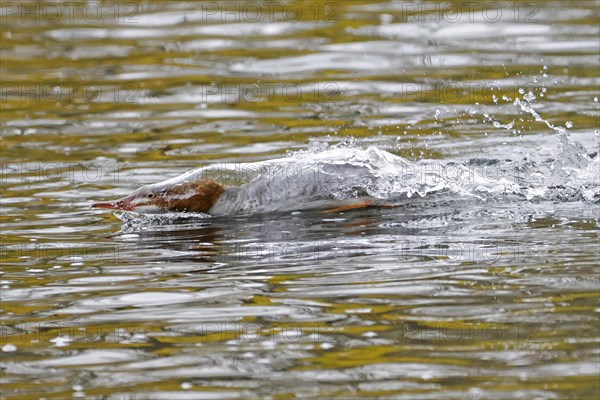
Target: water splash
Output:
{"points": [[136, 222], [327, 177], [498, 124], [572, 158]]}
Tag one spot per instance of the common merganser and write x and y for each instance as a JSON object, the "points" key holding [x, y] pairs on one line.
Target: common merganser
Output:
{"points": [[201, 196], [334, 180]]}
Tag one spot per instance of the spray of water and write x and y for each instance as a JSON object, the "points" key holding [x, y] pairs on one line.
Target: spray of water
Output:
{"points": [[324, 175]]}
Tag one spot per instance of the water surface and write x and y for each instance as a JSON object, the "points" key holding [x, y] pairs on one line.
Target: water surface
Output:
{"points": [[480, 284]]}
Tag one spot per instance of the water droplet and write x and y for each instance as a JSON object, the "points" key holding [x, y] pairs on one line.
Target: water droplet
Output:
{"points": [[595, 99], [9, 347], [529, 97], [186, 385]]}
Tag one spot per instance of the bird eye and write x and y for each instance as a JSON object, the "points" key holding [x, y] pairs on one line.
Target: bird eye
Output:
{"points": [[150, 195]]}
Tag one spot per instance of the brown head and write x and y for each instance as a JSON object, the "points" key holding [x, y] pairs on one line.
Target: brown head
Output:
{"points": [[185, 196]]}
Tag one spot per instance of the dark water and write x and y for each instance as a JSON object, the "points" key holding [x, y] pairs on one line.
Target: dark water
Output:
{"points": [[478, 285]]}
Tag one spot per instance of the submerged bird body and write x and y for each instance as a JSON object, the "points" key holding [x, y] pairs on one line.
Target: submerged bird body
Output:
{"points": [[338, 179]]}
